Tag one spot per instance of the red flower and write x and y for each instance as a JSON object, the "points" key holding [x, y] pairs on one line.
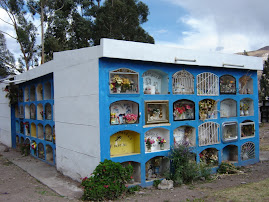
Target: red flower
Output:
{"points": [[131, 177], [106, 186]]}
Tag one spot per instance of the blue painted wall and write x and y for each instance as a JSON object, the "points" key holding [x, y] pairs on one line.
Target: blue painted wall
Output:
{"points": [[106, 130]]}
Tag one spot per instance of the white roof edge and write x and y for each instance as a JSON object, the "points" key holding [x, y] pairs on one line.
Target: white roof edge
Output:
{"points": [[158, 53]]}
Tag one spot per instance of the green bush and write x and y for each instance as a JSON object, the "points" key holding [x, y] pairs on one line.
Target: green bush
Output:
{"points": [[108, 181], [184, 168], [227, 168], [156, 183]]}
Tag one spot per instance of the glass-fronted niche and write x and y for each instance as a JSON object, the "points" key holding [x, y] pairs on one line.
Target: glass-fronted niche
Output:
{"points": [[123, 81], [156, 111], [124, 112], [184, 110], [227, 84]]}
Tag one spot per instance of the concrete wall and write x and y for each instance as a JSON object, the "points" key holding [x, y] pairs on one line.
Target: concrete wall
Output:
{"points": [[5, 123]]}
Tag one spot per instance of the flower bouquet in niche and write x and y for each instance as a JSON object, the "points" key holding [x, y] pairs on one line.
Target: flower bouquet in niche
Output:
{"points": [[149, 143], [130, 118], [161, 142]]}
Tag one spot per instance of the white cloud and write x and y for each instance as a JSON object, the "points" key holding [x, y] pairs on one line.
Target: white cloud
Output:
{"points": [[161, 31], [233, 25]]}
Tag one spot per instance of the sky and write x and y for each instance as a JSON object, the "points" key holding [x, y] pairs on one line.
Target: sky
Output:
{"points": [[228, 26]]}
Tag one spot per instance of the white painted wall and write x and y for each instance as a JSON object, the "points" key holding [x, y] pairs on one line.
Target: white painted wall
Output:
{"points": [[5, 124]]}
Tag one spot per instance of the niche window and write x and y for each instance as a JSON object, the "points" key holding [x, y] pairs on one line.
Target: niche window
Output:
{"points": [[227, 85], [208, 133], [247, 129], [183, 110], [183, 82], [207, 84], [229, 131], [155, 82], [156, 112]]}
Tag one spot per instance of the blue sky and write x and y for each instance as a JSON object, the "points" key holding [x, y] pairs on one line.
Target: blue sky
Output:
{"points": [[228, 26]]}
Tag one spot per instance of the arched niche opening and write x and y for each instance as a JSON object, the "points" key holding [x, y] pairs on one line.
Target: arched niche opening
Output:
{"points": [[248, 151], [32, 111], [124, 143], [208, 133], [17, 141], [49, 154], [40, 112], [20, 95], [157, 139], [21, 127], [48, 133], [136, 176], [33, 130], [208, 109], [16, 111], [48, 111], [27, 112], [183, 110], [246, 107], [185, 135], [32, 93], [21, 112], [40, 131], [25, 146], [210, 157], [246, 85], [26, 94], [41, 151], [207, 84], [227, 84], [17, 124], [47, 91], [247, 129], [155, 82], [183, 82], [27, 128], [228, 108], [123, 81], [124, 112], [230, 154], [229, 131], [39, 92], [34, 148], [156, 167]]}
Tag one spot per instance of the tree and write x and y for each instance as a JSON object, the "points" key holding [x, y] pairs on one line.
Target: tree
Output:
{"points": [[7, 61], [264, 82], [120, 19], [24, 29]]}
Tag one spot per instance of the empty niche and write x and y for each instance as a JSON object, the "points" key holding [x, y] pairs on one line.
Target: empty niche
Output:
{"points": [[124, 143], [246, 85], [229, 131], [123, 80], [246, 107], [157, 139], [26, 94], [33, 130], [39, 92], [230, 153], [48, 133], [40, 112], [49, 154], [40, 131], [32, 93], [183, 110], [17, 124], [123, 112], [156, 112], [185, 135], [27, 112], [41, 152], [136, 175], [183, 82], [247, 129], [208, 133], [210, 157], [228, 108], [208, 109], [207, 84], [27, 128], [156, 168], [227, 84], [155, 82], [34, 147], [47, 91], [48, 111], [32, 111], [247, 151]]}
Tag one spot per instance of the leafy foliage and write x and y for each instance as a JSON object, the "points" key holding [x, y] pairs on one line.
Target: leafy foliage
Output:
{"points": [[12, 93], [264, 82], [183, 166], [227, 168], [108, 181]]}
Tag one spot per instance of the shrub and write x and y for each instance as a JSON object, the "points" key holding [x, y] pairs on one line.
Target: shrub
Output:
{"points": [[108, 181], [227, 168], [156, 183]]}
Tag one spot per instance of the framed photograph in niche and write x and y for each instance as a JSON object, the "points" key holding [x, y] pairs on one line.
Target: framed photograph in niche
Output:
{"points": [[156, 111]]}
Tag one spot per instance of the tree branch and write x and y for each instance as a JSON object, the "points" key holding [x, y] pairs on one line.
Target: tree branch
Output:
{"points": [[8, 34], [6, 22]]}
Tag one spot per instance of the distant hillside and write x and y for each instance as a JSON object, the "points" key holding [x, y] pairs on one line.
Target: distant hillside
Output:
{"points": [[262, 52]]}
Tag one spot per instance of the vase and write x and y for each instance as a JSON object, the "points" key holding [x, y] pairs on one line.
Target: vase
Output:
{"points": [[246, 113], [242, 113], [162, 146], [119, 89], [148, 149]]}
